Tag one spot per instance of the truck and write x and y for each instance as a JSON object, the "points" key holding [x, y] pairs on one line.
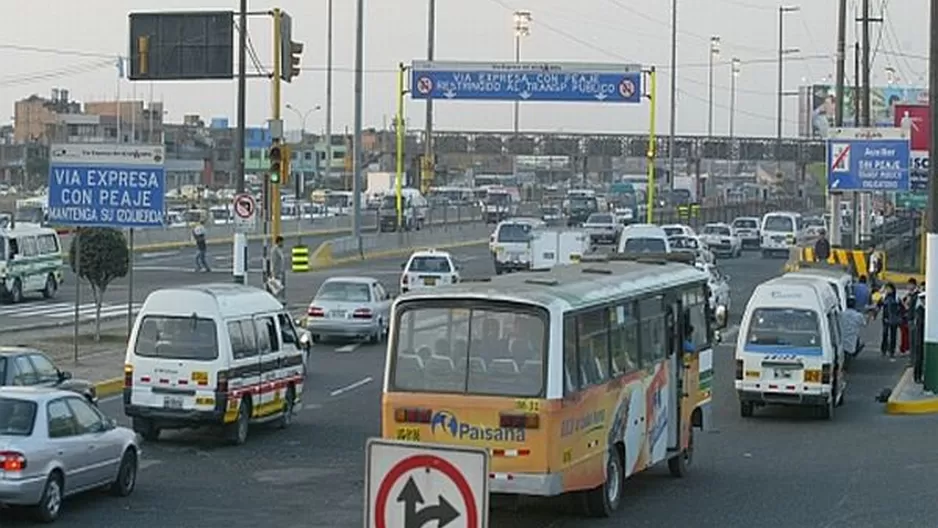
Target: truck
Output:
{"points": [[557, 247]]}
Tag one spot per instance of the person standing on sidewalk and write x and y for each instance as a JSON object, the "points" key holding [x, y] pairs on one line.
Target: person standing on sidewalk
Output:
{"points": [[201, 262], [891, 309], [822, 248], [909, 302], [851, 321]]}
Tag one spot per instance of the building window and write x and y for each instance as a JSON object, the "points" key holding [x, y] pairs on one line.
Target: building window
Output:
{"points": [[308, 155], [293, 154], [254, 154]]}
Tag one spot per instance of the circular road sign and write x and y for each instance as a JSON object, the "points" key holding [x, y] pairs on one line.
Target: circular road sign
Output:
{"points": [[400, 472], [424, 85], [627, 88], [245, 206]]}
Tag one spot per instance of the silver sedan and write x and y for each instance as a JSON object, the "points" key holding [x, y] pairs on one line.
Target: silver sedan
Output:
{"points": [[350, 307], [54, 444]]}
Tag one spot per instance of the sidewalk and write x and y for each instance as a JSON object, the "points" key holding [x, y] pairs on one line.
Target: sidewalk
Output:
{"points": [[909, 397]]}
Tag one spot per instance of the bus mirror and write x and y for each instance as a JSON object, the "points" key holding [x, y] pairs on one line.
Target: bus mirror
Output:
{"points": [[717, 337]]}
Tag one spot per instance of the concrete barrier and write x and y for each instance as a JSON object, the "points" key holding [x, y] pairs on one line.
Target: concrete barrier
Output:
{"points": [[349, 249], [157, 239]]}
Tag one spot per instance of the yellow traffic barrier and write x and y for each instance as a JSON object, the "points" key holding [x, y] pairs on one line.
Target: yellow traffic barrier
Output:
{"points": [[856, 260], [299, 259]]}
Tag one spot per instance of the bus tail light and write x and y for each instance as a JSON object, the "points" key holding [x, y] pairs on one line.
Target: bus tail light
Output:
{"points": [[128, 376], [413, 415], [519, 421], [826, 373], [739, 369]]}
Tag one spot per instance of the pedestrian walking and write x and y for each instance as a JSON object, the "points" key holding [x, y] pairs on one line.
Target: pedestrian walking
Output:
{"points": [[891, 309], [278, 270], [822, 248], [201, 247]]}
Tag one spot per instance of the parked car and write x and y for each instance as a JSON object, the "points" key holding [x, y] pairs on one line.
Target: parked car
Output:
{"points": [[55, 444], [747, 229], [603, 228], [353, 307], [721, 240], [27, 367]]}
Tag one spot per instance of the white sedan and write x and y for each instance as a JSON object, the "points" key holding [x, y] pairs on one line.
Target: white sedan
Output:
{"points": [[722, 240]]}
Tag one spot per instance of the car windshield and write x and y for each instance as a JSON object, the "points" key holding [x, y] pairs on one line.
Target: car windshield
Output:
{"points": [[476, 347], [717, 230], [673, 231], [173, 337], [745, 223], [344, 291], [791, 330], [683, 242], [514, 232], [600, 219], [783, 224], [17, 417], [429, 265], [645, 245]]}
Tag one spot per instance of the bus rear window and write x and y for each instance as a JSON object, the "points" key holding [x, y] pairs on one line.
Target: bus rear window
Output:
{"points": [[166, 337], [470, 347]]}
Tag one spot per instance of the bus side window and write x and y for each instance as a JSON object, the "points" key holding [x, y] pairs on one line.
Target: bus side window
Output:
{"points": [[696, 321], [623, 339], [593, 346], [570, 371], [14, 248]]}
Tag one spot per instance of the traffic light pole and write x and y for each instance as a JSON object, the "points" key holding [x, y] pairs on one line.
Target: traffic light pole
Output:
{"points": [[276, 228]]}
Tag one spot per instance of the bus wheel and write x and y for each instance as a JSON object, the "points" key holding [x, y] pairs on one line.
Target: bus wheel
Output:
{"points": [[16, 294], [679, 466], [605, 499], [51, 287]]}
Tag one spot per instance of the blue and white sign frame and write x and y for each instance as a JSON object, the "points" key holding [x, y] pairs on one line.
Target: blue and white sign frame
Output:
{"points": [[868, 165], [103, 185], [527, 81]]}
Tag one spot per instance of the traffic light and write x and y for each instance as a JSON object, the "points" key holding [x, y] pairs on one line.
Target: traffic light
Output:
{"points": [[275, 156], [290, 51]]}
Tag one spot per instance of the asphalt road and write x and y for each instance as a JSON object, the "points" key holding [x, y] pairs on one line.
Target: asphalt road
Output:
{"points": [[781, 469]]}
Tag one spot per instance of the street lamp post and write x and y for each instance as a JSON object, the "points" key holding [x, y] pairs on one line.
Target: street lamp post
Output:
{"points": [[714, 54], [782, 51], [734, 74], [522, 29], [304, 116]]}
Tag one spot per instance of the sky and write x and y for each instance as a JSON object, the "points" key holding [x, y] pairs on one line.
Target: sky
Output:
{"points": [[86, 37]]}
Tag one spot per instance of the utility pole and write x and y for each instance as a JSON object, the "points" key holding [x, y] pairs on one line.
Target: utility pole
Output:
{"points": [[840, 80], [863, 202], [672, 126], [930, 370], [327, 170], [779, 116], [357, 155], [239, 245], [427, 169]]}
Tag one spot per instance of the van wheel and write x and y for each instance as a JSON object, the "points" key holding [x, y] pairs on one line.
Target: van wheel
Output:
{"points": [[606, 499], [745, 409], [288, 404], [826, 411], [679, 466], [50, 504], [51, 287], [238, 431], [147, 429], [16, 293]]}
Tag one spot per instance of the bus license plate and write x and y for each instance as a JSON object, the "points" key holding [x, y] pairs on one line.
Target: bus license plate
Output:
{"points": [[172, 402], [408, 434], [782, 374]]}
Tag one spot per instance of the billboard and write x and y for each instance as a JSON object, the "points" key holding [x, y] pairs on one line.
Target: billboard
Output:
{"points": [[916, 119], [817, 103]]}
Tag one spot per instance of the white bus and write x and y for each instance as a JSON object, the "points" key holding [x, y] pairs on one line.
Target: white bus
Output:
{"points": [[30, 261]]}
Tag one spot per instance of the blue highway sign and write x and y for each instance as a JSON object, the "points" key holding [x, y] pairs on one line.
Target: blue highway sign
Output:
{"points": [[107, 185], [868, 165], [511, 81]]}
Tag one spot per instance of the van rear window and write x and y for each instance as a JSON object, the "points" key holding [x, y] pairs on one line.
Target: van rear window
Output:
{"points": [[167, 337], [785, 330], [783, 224]]}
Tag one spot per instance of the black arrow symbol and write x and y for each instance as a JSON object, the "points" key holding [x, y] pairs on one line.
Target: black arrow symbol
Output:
{"points": [[443, 513]]}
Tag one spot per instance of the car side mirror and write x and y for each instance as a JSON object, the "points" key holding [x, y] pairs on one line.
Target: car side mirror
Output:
{"points": [[64, 375], [403, 265], [306, 341], [721, 316], [110, 423]]}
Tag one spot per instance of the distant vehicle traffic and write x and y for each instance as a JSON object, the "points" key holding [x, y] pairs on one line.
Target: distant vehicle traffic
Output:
{"points": [[30, 261], [603, 228], [747, 229], [428, 269], [721, 240], [28, 367], [352, 307]]}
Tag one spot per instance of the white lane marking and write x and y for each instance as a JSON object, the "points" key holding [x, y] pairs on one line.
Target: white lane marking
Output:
{"points": [[349, 348], [159, 254], [353, 386]]}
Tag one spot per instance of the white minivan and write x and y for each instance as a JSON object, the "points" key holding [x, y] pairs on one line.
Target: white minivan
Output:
{"points": [[643, 238], [218, 354], [779, 233], [788, 351]]}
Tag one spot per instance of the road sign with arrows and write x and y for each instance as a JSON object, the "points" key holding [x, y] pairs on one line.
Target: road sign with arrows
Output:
{"points": [[413, 485]]}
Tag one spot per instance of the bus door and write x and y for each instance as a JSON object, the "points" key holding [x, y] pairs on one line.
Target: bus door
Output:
{"points": [[676, 337]]}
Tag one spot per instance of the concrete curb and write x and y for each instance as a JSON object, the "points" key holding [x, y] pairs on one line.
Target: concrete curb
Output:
{"points": [[60, 324], [390, 252], [896, 406], [109, 387]]}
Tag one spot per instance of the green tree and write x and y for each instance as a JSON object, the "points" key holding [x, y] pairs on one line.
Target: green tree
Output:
{"points": [[103, 256]]}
